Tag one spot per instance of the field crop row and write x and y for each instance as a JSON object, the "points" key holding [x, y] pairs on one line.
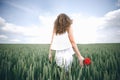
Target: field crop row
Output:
{"points": [[30, 62]]}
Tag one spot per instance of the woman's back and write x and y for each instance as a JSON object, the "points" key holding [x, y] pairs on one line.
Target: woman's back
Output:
{"points": [[61, 42]]}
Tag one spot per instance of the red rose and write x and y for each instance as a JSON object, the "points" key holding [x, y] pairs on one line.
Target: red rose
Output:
{"points": [[87, 61]]}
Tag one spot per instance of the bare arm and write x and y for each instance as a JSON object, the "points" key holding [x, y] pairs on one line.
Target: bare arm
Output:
{"points": [[74, 45]]}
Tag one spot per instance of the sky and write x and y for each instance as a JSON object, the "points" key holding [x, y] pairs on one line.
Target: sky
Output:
{"points": [[32, 21]]}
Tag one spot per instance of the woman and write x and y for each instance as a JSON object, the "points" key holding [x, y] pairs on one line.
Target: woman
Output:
{"points": [[63, 42]]}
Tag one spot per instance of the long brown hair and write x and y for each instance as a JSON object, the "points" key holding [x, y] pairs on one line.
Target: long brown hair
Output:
{"points": [[62, 23]]}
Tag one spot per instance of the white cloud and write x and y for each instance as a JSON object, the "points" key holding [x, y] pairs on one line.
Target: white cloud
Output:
{"points": [[111, 27], [45, 28], [41, 39], [87, 29], [113, 18], [47, 21], [97, 29], [2, 22], [3, 37], [14, 40], [13, 28], [32, 34]]}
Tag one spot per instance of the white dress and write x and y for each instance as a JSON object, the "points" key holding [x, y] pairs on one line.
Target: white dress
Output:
{"points": [[64, 51]]}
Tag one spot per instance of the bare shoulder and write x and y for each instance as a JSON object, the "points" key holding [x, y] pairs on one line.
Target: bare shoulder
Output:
{"points": [[70, 34], [70, 31]]}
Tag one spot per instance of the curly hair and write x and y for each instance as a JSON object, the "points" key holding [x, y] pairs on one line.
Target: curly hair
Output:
{"points": [[62, 23]]}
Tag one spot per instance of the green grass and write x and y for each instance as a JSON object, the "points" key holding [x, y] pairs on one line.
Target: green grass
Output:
{"points": [[30, 62]]}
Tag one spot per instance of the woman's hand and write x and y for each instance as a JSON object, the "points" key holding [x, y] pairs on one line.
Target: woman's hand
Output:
{"points": [[50, 56], [81, 61]]}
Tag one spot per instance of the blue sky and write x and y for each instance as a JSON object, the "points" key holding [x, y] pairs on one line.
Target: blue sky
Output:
{"points": [[31, 21]]}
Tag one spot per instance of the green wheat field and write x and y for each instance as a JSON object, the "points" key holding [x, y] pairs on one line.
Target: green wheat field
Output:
{"points": [[30, 62]]}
